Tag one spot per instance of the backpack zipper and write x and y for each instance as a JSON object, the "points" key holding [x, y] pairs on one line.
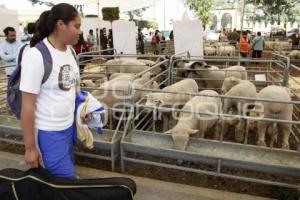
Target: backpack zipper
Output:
{"points": [[61, 186]]}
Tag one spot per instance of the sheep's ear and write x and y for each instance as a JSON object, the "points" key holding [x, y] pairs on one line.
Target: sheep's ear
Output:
{"points": [[233, 80], [155, 85], [193, 131], [161, 102], [145, 96], [196, 64], [169, 131]]}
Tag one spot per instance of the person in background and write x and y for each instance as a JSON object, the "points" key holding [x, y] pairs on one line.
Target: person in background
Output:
{"points": [[233, 37], [47, 111], [141, 41], [110, 41], [103, 40], [163, 44], [171, 36], [296, 40], [97, 36], [91, 40], [9, 50], [244, 45], [80, 47], [258, 45]]}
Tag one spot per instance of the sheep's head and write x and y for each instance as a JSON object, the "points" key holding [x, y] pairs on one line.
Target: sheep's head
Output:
{"points": [[228, 83], [180, 63], [199, 65], [152, 101], [181, 136]]}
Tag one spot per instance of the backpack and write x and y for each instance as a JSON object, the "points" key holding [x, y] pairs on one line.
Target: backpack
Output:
{"points": [[39, 184], [14, 95], [154, 40]]}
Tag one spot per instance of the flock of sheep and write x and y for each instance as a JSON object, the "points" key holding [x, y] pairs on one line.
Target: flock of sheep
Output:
{"points": [[197, 76]]}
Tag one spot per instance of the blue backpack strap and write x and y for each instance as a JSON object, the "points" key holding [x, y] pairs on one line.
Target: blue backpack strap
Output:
{"points": [[47, 59], [74, 55], [20, 56]]}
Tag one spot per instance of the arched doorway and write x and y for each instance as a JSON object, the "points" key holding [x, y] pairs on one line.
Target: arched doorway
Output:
{"points": [[214, 23], [226, 21]]}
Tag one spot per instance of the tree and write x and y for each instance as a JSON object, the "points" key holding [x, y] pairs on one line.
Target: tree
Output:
{"points": [[34, 2], [202, 9], [78, 7], [275, 10], [136, 13], [111, 13]]}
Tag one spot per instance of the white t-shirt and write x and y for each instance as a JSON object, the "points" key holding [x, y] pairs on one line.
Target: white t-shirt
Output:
{"points": [[56, 97]]}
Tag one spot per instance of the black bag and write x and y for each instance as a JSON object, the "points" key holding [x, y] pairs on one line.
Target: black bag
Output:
{"points": [[39, 184]]}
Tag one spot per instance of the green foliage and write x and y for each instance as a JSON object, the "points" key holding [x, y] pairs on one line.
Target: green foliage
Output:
{"points": [[146, 24], [202, 8], [41, 2], [110, 13], [136, 13], [275, 10]]}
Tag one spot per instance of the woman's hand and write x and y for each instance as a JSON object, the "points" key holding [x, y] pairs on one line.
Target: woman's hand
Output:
{"points": [[87, 118], [33, 157]]}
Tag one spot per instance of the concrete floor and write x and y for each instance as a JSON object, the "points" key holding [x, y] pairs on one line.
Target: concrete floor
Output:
{"points": [[148, 189]]}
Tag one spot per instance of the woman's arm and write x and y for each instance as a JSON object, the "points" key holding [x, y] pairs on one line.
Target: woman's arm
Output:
{"points": [[32, 155]]}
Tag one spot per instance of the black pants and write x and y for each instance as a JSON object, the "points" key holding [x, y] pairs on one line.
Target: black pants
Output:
{"points": [[244, 55], [142, 47], [256, 54]]}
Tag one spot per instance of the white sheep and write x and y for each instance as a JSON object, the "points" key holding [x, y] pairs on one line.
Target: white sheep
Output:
{"points": [[171, 100], [275, 111], [162, 98], [213, 77], [235, 87], [192, 123], [209, 51], [121, 76], [227, 50], [295, 54]]}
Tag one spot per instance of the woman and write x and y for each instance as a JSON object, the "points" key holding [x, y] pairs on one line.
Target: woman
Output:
{"points": [[48, 108]]}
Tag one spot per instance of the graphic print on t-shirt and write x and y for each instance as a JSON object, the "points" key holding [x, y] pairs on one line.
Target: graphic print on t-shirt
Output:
{"points": [[66, 78]]}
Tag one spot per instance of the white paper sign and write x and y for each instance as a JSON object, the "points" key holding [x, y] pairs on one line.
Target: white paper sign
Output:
{"points": [[188, 36], [260, 77], [124, 36]]}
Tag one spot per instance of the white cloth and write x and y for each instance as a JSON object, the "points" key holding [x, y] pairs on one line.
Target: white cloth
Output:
{"points": [[56, 97], [8, 53], [90, 106]]}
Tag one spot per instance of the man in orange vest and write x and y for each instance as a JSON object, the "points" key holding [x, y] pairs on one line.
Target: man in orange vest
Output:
{"points": [[244, 45]]}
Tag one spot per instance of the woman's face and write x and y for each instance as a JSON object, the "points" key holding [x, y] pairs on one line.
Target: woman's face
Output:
{"points": [[72, 31]]}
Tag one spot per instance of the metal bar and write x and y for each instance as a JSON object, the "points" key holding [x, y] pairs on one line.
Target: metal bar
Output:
{"points": [[222, 175], [220, 96], [221, 115]]}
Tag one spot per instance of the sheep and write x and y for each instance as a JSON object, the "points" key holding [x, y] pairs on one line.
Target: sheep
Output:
{"points": [[238, 88], [226, 50], [168, 99], [275, 111], [294, 54], [121, 76], [212, 76], [192, 123], [88, 83], [209, 51], [161, 98], [112, 94]]}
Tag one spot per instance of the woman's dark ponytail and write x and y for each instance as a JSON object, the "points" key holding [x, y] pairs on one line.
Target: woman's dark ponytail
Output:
{"points": [[41, 30], [46, 24]]}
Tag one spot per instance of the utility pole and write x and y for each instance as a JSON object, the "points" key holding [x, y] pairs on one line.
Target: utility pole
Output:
{"points": [[164, 15], [242, 14]]}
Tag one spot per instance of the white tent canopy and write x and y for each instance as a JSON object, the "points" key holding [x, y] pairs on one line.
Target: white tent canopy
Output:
{"points": [[124, 5]]}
